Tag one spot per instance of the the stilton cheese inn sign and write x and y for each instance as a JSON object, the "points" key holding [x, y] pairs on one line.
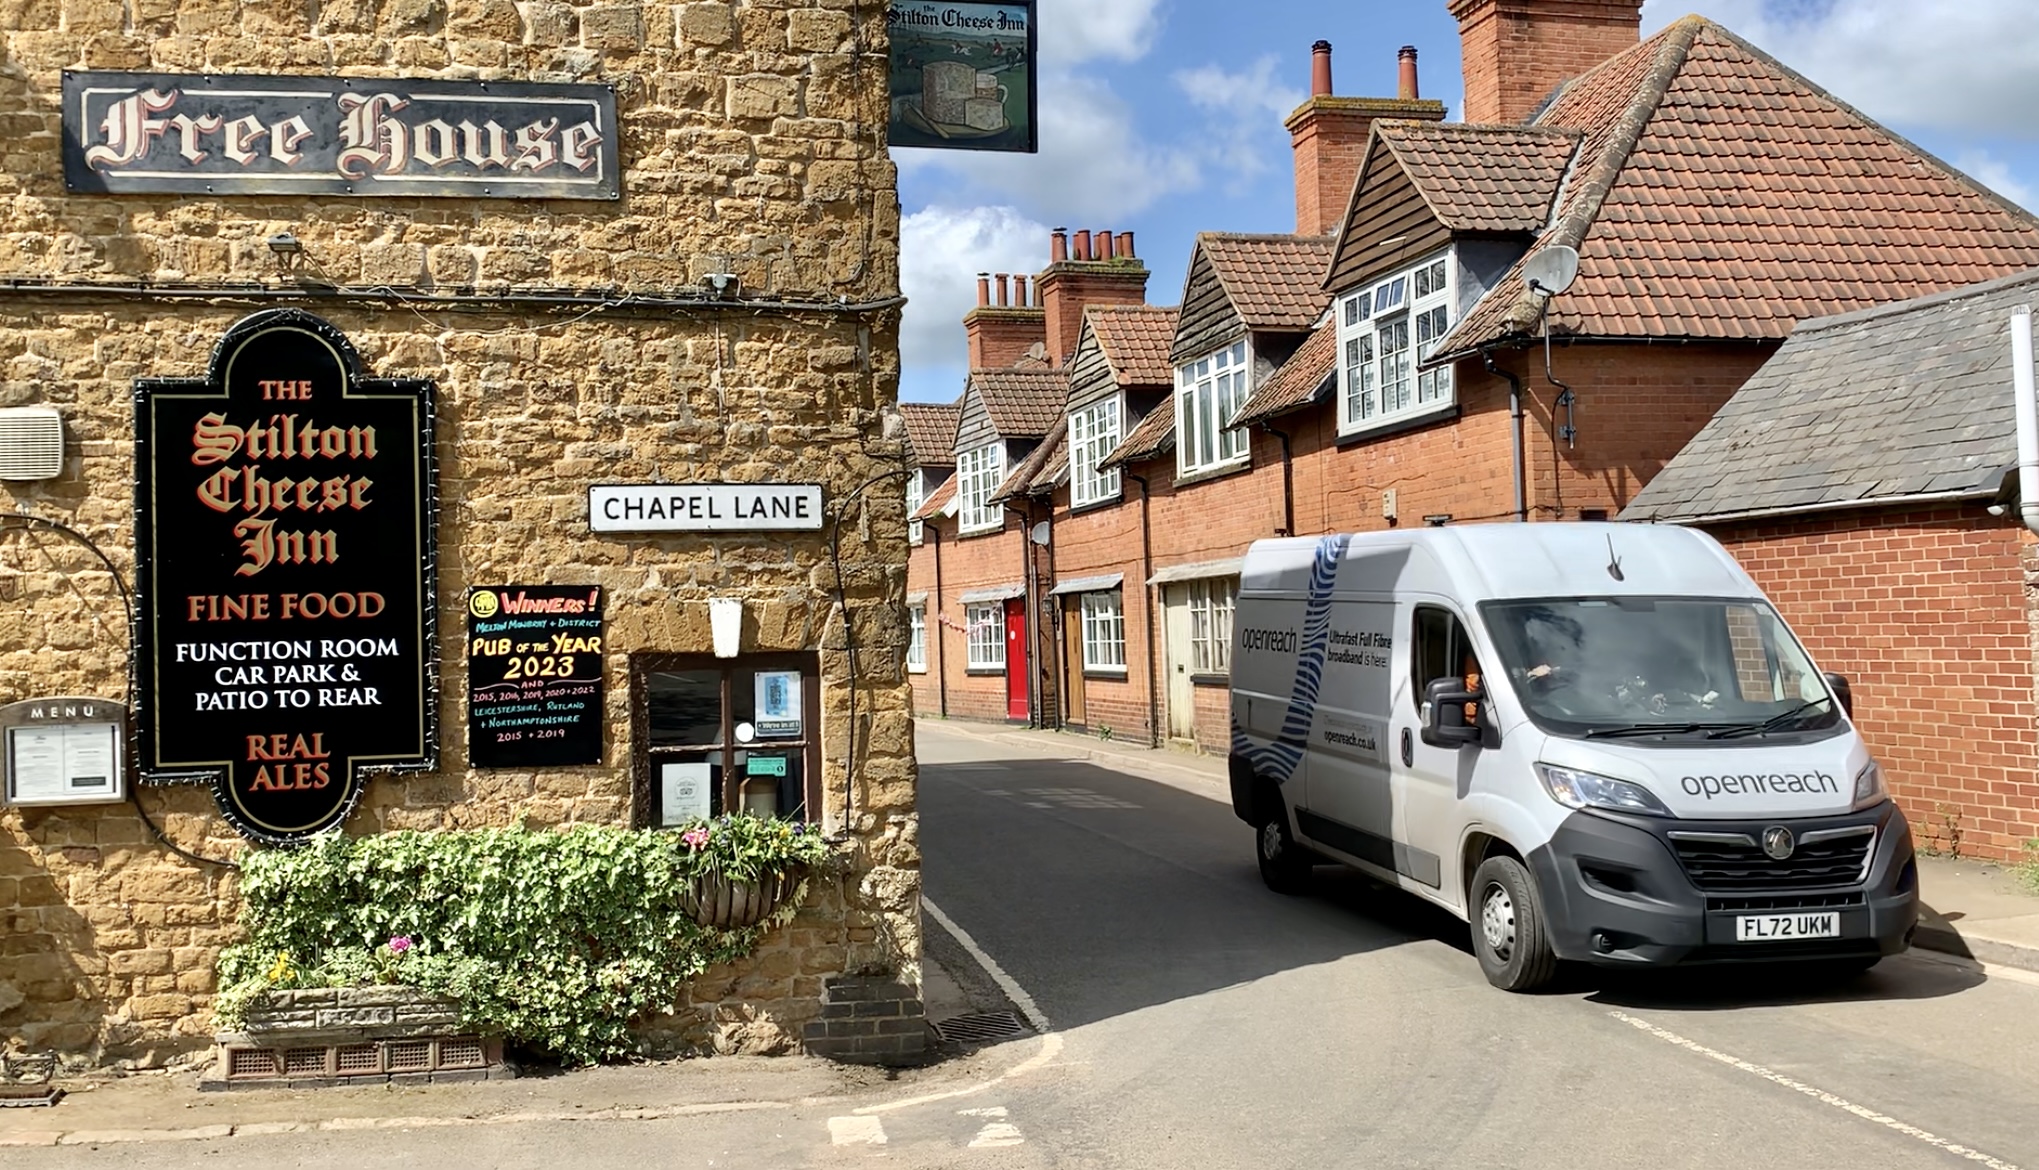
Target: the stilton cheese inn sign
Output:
{"points": [[127, 132], [284, 576]]}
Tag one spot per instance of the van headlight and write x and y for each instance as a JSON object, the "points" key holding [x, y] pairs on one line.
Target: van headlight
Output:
{"points": [[1869, 789], [1575, 789]]}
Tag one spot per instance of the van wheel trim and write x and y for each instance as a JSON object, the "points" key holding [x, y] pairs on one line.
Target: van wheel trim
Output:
{"points": [[1271, 840], [1497, 920]]}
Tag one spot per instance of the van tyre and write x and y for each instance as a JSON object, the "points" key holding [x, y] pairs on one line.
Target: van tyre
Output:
{"points": [[1284, 865], [1508, 932]]}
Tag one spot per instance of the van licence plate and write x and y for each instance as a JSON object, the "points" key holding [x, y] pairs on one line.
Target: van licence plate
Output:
{"points": [[1771, 927]]}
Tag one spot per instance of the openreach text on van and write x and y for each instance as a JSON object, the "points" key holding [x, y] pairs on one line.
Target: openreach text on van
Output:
{"points": [[1712, 786]]}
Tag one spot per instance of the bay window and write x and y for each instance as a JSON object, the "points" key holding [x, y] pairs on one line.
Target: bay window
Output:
{"points": [[977, 474], [1385, 329], [1093, 433], [1208, 392]]}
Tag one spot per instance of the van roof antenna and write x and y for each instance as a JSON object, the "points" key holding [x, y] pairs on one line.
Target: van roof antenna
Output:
{"points": [[1613, 562]]}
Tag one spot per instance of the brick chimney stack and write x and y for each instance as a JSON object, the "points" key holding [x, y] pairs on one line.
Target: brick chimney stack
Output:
{"points": [[1515, 52], [1329, 135], [1001, 332], [1098, 269]]}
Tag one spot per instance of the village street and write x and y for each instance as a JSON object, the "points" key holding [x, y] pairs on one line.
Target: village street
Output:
{"points": [[1196, 1019]]}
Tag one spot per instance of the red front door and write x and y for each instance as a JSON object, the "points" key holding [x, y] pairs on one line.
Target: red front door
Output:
{"points": [[1016, 659]]}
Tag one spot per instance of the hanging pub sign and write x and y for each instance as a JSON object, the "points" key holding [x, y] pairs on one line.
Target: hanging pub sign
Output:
{"points": [[963, 75], [534, 675], [284, 576], [248, 135]]}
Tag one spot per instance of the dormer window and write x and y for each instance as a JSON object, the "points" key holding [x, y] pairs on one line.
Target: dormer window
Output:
{"points": [[1384, 329], [1093, 434], [916, 495], [977, 474], [1208, 392]]}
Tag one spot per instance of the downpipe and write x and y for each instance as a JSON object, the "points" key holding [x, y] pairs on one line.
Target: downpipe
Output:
{"points": [[2027, 415], [1515, 433]]}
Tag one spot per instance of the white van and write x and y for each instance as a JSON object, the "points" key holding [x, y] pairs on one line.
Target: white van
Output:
{"points": [[1593, 742]]}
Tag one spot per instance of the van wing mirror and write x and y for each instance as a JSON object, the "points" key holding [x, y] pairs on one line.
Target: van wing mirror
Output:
{"points": [[1444, 723], [1845, 694]]}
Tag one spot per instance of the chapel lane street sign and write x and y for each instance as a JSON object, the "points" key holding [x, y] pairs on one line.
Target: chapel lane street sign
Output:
{"points": [[251, 135], [705, 507], [285, 583]]}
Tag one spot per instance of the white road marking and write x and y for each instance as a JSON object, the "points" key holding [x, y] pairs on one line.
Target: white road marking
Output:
{"points": [[856, 1131], [997, 1133], [1013, 991], [1820, 1095], [1051, 1047]]}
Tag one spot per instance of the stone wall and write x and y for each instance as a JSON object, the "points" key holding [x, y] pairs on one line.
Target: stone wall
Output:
{"points": [[752, 142]]}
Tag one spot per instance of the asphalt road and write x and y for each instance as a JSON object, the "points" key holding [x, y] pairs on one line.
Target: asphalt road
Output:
{"points": [[1198, 1020]]}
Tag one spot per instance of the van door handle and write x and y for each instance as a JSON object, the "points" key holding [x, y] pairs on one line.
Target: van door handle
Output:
{"points": [[1408, 749]]}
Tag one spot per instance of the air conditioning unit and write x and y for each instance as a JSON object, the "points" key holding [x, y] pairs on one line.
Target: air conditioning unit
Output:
{"points": [[31, 442]]}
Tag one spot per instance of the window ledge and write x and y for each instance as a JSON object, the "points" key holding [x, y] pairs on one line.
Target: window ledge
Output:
{"points": [[1210, 680], [986, 671], [1220, 471], [1380, 428], [1110, 501], [921, 669], [1105, 673], [991, 530]]}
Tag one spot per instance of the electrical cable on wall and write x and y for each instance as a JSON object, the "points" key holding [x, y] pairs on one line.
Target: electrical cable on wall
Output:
{"points": [[849, 631], [29, 523]]}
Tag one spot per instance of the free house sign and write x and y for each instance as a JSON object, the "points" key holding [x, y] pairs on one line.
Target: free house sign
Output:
{"points": [[285, 580]]}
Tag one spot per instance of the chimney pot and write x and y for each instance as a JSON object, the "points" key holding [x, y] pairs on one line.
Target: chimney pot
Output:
{"points": [[1126, 245], [1019, 290], [1003, 285], [1105, 245], [1080, 245], [1320, 69], [1058, 246], [983, 289], [1406, 89]]}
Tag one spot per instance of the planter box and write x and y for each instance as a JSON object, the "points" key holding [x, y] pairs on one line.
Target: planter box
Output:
{"points": [[350, 1036]]}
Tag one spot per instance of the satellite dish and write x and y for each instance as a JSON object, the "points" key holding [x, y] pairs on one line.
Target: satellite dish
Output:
{"points": [[1552, 270], [1040, 534]]}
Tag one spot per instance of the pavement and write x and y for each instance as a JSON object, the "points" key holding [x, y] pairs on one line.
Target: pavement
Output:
{"points": [[1971, 907]]}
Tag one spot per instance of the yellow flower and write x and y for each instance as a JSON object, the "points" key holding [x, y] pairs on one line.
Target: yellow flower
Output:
{"points": [[282, 970]]}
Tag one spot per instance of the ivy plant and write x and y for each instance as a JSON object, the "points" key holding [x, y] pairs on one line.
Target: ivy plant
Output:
{"points": [[557, 940]]}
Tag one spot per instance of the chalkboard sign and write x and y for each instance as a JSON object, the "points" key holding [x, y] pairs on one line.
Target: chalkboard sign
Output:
{"points": [[284, 591], [534, 675]]}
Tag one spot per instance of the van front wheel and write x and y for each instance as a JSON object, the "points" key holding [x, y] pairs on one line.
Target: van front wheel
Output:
{"points": [[1284, 866], [1508, 934]]}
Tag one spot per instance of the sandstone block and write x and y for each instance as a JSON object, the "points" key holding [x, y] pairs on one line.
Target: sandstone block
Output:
{"points": [[706, 25], [763, 96]]}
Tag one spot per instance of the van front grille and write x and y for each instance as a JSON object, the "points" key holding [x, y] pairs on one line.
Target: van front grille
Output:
{"points": [[1718, 867]]}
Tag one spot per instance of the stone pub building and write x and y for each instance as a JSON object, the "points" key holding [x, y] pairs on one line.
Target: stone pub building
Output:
{"points": [[343, 337]]}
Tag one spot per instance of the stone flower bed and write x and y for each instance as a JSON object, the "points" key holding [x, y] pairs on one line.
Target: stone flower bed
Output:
{"points": [[352, 1035]]}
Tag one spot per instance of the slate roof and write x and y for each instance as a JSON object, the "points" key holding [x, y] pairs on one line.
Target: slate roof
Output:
{"points": [[1903, 400], [1023, 404], [1300, 381], [937, 500], [1274, 282], [1482, 178], [1135, 341], [930, 432], [1716, 193], [1154, 436]]}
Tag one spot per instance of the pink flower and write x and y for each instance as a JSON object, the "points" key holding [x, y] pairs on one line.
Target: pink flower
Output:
{"points": [[400, 943], [695, 838]]}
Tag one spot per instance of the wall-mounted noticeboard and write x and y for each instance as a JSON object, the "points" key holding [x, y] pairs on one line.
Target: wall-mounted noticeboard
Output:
{"points": [[64, 751]]}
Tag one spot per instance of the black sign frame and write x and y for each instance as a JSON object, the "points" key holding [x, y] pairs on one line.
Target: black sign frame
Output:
{"points": [[533, 670], [295, 135], [414, 398]]}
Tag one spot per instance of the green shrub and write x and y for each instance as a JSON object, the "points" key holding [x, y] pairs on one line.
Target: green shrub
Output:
{"points": [[556, 940]]}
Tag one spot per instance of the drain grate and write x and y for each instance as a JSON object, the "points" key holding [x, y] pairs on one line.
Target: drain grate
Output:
{"points": [[29, 1095], [980, 1028]]}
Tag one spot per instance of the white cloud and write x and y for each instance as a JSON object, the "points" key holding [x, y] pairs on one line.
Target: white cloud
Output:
{"points": [[1960, 65], [942, 249], [1241, 106], [1074, 31]]}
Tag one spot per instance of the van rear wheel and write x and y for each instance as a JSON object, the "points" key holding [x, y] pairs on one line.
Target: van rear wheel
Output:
{"points": [[1284, 865], [1507, 923]]}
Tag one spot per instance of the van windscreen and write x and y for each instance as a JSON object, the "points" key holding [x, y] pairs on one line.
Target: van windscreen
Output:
{"points": [[1669, 665]]}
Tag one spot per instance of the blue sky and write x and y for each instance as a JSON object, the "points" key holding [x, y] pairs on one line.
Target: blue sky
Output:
{"points": [[1164, 117]]}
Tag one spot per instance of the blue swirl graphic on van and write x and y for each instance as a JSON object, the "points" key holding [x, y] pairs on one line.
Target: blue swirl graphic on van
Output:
{"points": [[1277, 761]]}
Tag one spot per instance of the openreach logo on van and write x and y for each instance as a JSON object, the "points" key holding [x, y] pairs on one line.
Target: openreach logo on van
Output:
{"points": [[1272, 641], [1712, 786]]}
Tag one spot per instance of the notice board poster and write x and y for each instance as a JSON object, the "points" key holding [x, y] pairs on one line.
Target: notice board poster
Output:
{"points": [[963, 75], [534, 675], [285, 609]]}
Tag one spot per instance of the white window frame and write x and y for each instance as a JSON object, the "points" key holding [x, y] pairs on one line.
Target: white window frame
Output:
{"points": [[1104, 632], [916, 495], [978, 473], [1213, 602], [1093, 434], [916, 638], [1385, 329], [1208, 392], [985, 636]]}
